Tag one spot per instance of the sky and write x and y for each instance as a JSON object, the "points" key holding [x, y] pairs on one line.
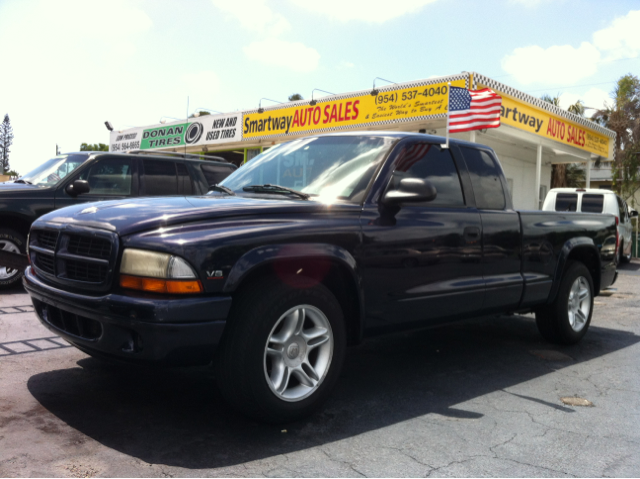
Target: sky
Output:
{"points": [[67, 66]]}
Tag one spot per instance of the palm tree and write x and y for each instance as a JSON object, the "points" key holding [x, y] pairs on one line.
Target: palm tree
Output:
{"points": [[623, 117], [568, 174]]}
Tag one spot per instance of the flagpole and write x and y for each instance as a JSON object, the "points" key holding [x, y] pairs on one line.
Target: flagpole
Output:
{"points": [[446, 145]]}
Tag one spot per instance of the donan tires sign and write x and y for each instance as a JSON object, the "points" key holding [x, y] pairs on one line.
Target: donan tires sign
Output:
{"points": [[384, 108], [208, 129]]}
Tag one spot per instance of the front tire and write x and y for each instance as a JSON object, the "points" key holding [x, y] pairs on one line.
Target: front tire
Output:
{"points": [[567, 319], [282, 350], [13, 242]]}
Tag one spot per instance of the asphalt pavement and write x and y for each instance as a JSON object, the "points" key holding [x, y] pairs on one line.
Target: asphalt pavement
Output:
{"points": [[479, 398]]}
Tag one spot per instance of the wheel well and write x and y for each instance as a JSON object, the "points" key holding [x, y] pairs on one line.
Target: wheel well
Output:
{"points": [[19, 224], [589, 258], [331, 274]]}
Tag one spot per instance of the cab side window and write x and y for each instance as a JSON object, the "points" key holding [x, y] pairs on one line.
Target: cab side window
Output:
{"points": [[166, 178], [109, 177], [428, 161]]}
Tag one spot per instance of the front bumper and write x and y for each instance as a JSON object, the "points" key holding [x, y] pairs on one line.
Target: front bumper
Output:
{"points": [[172, 332]]}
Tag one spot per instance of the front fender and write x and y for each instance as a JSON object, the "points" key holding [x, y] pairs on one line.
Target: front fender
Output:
{"points": [[344, 281], [263, 255]]}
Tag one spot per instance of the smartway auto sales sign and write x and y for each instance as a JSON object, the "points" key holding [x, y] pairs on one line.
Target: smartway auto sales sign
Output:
{"points": [[208, 129]]}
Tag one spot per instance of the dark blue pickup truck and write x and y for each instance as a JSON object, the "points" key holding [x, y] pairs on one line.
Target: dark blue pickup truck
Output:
{"points": [[312, 246]]}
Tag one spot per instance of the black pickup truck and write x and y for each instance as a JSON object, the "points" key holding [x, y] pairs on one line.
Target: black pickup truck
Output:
{"points": [[88, 176], [312, 246]]}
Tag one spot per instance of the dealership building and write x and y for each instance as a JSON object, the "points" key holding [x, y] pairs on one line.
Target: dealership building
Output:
{"points": [[532, 136]]}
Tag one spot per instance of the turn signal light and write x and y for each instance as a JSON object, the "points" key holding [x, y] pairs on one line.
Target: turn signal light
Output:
{"points": [[155, 285]]}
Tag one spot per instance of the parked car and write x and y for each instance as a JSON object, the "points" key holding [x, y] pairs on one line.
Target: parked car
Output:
{"points": [[592, 200], [96, 176], [312, 246]]}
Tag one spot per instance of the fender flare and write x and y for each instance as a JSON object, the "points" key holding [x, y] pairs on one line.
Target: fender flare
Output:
{"points": [[266, 254], [563, 258]]}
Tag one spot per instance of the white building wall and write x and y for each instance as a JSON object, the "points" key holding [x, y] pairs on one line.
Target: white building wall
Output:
{"points": [[521, 176]]}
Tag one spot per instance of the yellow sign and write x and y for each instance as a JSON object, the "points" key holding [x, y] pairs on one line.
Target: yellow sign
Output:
{"points": [[405, 103], [535, 120]]}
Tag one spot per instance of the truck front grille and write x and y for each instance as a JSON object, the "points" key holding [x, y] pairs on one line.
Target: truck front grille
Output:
{"points": [[45, 262], [81, 271], [91, 247], [48, 239], [79, 257]]}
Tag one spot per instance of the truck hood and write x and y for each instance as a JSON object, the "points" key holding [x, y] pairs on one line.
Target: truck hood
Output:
{"points": [[133, 216], [9, 187]]}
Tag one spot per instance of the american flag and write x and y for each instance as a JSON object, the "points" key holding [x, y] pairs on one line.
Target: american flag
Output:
{"points": [[473, 109], [408, 158]]}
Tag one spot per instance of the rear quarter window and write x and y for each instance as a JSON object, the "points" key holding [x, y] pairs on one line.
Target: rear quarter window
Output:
{"points": [[485, 173], [567, 202], [592, 203]]}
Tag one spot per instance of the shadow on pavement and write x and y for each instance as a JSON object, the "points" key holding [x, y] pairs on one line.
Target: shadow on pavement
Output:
{"points": [[176, 417], [634, 266]]}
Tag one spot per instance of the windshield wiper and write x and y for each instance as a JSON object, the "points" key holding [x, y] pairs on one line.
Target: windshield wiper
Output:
{"points": [[222, 189], [279, 190], [23, 181]]}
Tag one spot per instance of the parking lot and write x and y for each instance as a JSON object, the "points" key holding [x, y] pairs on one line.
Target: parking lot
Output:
{"points": [[479, 398]]}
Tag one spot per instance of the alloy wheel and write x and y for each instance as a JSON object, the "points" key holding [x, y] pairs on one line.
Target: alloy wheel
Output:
{"points": [[298, 353], [579, 304], [11, 247]]}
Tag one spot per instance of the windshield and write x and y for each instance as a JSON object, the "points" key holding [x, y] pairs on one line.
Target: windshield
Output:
{"points": [[52, 171], [330, 167]]}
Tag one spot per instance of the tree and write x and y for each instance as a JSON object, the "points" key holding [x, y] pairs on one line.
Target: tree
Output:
{"points": [[94, 147], [623, 117], [570, 175], [6, 139], [295, 97]]}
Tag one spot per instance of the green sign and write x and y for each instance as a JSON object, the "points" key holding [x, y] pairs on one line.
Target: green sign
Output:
{"points": [[163, 136]]}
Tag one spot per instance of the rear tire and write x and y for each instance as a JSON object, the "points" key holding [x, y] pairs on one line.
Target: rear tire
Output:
{"points": [[282, 350], [567, 319], [14, 242]]}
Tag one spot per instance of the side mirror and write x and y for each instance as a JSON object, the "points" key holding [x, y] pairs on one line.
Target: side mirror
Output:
{"points": [[78, 187], [411, 190], [633, 214]]}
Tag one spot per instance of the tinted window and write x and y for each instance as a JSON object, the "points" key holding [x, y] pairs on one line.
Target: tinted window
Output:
{"points": [[52, 171], [160, 178], [626, 211], [621, 209], [330, 167], [430, 162], [110, 176], [184, 180], [485, 175], [591, 203], [215, 173], [566, 202]]}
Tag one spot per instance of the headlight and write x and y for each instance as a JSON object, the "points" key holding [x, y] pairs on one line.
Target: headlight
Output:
{"points": [[157, 272]]}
